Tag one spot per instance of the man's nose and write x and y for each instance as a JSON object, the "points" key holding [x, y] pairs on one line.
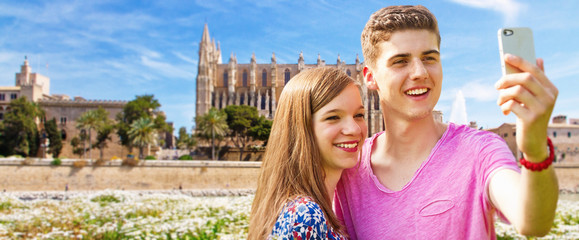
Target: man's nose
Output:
{"points": [[418, 70]]}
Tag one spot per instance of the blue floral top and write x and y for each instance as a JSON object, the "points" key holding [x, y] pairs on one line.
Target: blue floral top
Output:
{"points": [[303, 219]]}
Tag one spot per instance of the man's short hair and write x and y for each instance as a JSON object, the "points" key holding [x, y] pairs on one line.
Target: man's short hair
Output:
{"points": [[384, 22]]}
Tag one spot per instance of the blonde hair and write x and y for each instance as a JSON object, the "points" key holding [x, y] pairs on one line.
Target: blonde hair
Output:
{"points": [[292, 165], [384, 22]]}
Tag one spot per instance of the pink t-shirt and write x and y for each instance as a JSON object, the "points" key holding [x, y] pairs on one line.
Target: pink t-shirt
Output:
{"points": [[446, 198]]}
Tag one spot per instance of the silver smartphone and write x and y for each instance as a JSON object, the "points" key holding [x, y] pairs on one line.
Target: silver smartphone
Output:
{"points": [[516, 41]]}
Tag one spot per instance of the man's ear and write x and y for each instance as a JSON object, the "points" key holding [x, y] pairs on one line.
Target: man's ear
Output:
{"points": [[369, 78]]}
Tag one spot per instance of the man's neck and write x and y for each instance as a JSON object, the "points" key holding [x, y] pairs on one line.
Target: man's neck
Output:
{"points": [[405, 139]]}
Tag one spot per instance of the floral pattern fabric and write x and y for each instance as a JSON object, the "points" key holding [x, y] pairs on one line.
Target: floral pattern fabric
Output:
{"points": [[303, 219]]}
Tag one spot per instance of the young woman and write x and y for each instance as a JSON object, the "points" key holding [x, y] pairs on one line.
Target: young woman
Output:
{"points": [[317, 132]]}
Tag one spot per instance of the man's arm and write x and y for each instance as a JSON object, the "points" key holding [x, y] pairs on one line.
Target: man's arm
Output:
{"points": [[529, 199]]}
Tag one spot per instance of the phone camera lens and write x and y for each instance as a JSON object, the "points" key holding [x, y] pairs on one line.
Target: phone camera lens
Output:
{"points": [[508, 32]]}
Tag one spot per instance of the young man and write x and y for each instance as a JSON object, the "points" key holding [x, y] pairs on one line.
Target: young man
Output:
{"points": [[422, 179]]}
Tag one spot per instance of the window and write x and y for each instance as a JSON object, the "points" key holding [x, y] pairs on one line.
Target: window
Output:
{"points": [[245, 78], [505, 135], [514, 134], [349, 73], [263, 102], [225, 79], [2, 97], [568, 134], [1, 116], [264, 78], [554, 134], [287, 75], [13, 96], [242, 99], [63, 134], [63, 120]]}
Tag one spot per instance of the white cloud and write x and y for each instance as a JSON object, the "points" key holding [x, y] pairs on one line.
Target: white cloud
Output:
{"points": [[185, 58], [166, 69], [510, 9]]}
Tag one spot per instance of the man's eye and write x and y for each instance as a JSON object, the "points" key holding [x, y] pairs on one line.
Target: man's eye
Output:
{"points": [[399, 62], [430, 59]]}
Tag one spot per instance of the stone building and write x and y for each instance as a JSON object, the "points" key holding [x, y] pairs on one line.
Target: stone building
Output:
{"points": [[260, 84], [33, 86], [36, 88], [564, 135]]}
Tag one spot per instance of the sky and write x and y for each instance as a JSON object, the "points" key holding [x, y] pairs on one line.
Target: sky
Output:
{"points": [[117, 50]]}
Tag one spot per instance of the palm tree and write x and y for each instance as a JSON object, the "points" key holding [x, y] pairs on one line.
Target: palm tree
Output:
{"points": [[142, 133], [213, 124], [90, 120]]}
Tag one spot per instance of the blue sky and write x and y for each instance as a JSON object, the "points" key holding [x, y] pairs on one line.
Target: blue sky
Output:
{"points": [[115, 50]]}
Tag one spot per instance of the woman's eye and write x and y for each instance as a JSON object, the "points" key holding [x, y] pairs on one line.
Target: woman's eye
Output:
{"points": [[332, 118], [359, 115]]}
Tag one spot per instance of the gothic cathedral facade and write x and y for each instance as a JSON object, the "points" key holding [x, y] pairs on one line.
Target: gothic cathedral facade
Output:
{"points": [[260, 84]]}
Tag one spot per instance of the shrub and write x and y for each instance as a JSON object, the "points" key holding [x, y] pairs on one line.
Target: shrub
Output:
{"points": [[150, 157], [100, 162], [79, 163], [56, 162], [185, 157], [130, 162]]}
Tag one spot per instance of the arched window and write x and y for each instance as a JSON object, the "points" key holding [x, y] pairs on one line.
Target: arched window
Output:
{"points": [[554, 134], [242, 99], [287, 75], [262, 101], [568, 134], [264, 78], [349, 73], [225, 79], [245, 78], [63, 134]]}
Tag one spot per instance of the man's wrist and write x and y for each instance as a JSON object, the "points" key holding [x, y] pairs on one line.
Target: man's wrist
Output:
{"points": [[538, 164]]}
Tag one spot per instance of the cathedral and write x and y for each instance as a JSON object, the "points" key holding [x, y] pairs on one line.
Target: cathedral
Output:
{"points": [[260, 84]]}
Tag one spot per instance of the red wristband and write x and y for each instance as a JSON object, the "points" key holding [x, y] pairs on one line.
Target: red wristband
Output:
{"points": [[540, 165]]}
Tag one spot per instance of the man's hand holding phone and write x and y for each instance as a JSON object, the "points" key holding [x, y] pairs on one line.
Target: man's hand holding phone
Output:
{"points": [[527, 92]]}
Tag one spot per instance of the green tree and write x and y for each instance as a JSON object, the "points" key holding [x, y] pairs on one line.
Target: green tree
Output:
{"points": [[145, 106], [185, 140], [244, 123], [261, 130], [19, 131], [77, 143], [54, 137], [142, 133], [212, 125], [92, 120], [104, 135]]}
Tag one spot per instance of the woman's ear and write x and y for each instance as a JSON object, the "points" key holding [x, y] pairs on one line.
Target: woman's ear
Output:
{"points": [[369, 78]]}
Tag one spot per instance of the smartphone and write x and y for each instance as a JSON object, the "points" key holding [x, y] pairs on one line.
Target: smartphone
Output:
{"points": [[516, 41]]}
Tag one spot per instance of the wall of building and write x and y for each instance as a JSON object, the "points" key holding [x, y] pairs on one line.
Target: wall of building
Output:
{"points": [[39, 175]]}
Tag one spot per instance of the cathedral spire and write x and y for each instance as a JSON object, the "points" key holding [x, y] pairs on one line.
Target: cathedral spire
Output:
{"points": [[205, 37]]}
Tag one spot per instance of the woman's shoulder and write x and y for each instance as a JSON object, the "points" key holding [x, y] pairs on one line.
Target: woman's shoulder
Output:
{"points": [[302, 210], [302, 218]]}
